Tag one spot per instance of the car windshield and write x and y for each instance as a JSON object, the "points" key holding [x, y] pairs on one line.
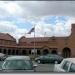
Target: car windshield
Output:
{"points": [[17, 65]]}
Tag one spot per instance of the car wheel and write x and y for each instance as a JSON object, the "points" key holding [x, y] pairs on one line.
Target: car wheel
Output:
{"points": [[38, 61]]}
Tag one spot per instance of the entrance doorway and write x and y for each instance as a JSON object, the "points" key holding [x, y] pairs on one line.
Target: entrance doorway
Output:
{"points": [[9, 52], [24, 52], [66, 52], [38, 52], [0, 50], [45, 51], [4, 51], [53, 52]]}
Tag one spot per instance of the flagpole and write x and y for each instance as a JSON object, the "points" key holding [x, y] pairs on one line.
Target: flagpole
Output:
{"points": [[34, 43]]}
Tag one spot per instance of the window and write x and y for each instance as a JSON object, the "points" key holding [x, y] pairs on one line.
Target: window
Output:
{"points": [[66, 65], [72, 68]]}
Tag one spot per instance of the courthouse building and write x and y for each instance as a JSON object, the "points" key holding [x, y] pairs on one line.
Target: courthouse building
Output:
{"points": [[64, 46]]}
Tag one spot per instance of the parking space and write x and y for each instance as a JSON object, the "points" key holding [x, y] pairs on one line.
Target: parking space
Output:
{"points": [[45, 68]]}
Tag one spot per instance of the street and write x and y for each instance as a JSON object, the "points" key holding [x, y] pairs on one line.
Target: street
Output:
{"points": [[45, 68]]}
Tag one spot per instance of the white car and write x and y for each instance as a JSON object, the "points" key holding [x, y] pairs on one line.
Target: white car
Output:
{"points": [[67, 65], [17, 64]]}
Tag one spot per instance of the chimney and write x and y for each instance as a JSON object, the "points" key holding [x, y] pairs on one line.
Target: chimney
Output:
{"points": [[73, 29]]}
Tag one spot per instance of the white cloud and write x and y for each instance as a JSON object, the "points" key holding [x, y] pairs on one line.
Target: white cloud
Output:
{"points": [[60, 29], [7, 26], [44, 8], [33, 11], [15, 31], [59, 26], [13, 8], [42, 29], [10, 8]]}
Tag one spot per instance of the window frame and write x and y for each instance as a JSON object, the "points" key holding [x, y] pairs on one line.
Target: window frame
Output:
{"points": [[66, 61]]}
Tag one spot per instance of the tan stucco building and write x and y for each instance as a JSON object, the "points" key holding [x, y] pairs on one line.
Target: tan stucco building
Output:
{"points": [[64, 46]]}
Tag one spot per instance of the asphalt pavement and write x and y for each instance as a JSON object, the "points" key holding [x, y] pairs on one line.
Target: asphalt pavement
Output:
{"points": [[45, 68]]}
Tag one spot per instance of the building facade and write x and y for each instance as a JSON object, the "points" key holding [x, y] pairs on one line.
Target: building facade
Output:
{"points": [[64, 46]]}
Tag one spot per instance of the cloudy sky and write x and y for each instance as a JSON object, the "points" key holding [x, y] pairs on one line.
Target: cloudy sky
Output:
{"points": [[51, 18]]}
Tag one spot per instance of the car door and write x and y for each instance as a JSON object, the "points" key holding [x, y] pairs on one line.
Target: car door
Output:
{"points": [[45, 59], [42, 59], [66, 66], [72, 67]]}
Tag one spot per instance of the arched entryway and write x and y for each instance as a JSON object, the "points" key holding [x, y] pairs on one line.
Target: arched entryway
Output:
{"points": [[66, 52], [17, 52], [30, 52], [53, 52], [0, 50], [9, 51], [45, 51], [4, 51], [13, 52], [24, 52], [38, 52]]}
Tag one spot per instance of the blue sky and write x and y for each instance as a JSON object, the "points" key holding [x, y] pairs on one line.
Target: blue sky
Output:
{"points": [[28, 25], [17, 18], [16, 21], [53, 19]]}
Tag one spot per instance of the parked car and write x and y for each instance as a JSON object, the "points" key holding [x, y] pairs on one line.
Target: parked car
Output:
{"points": [[67, 65], [2, 56], [49, 58], [17, 64]]}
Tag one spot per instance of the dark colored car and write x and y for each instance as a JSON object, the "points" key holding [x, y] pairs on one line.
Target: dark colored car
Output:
{"points": [[49, 58]]}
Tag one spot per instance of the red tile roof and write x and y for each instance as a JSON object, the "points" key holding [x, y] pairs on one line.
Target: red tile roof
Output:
{"points": [[38, 39], [6, 36], [8, 46], [23, 39]]}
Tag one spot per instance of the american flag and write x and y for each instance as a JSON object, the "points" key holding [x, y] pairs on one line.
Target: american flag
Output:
{"points": [[32, 30]]}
